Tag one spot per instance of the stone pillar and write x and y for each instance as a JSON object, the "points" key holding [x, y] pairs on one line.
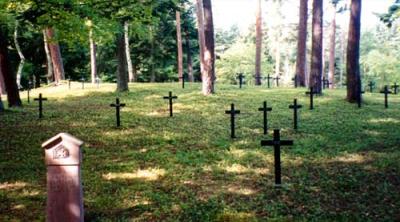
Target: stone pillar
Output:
{"points": [[63, 158]]}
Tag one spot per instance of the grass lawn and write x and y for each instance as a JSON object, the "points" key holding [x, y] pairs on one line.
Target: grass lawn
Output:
{"points": [[344, 165]]}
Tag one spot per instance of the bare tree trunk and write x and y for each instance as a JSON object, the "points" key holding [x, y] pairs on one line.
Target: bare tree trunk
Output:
{"points": [[342, 57], [209, 52], [258, 44], [200, 27], [20, 54], [179, 45], [277, 56], [93, 65], [353, 53], [332, 48], [9, 78], [122, 75], [131, 74], [189, 56], [2, 84], [56, 58], [316, 53], [301, 65], [50, 74]]}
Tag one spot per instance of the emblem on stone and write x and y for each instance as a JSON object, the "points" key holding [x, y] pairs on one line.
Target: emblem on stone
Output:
{"points": [[60, 153]]}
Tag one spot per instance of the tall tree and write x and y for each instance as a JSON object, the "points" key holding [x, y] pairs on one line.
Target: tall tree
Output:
{"points": [[353, 53], [9, 77], [301, 64], [258, 44], [93, 49], [20, 54], [332, 46], [179, 45], [316, 52], [209, 51], [201, 37], [131, 74], [49, 64], [122, 75], [189, 55], [55, 52]]}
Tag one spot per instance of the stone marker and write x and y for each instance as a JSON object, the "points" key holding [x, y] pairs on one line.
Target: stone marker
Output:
{"points": [[83, 82], [269, 78], [118, 106], [240, 77], [396, 88], [40, 99], [69, 83], [170, 98], [277, 81], [63, 158], [371, 86], [386, 91], [97, 82], [277, 143], [265, 109], [311, 93], [233, 113], [295, 108]]}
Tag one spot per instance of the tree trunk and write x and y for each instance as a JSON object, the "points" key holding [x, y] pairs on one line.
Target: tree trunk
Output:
{"points": [[9, 78], [277, 56], [189, 56], [301, 65], [93, 48], [258, 44], [131, 74], [342, 57], [316, 53], [49, 66], [56, 58], [353, 53], [209, 52], [200, 27], [2, 85], [332, 48], [179, 45], [20, 54], [122, 75]]}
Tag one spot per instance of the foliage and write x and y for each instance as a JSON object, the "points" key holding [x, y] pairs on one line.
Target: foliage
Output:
{"points": [[343, 165]]}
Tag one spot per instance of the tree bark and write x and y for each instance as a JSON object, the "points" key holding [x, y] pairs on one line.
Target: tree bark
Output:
{"points": [[179, 45], [332, 48], [316, 53], [189, 56], [122, 75], [56, 58], [20, 54], [353, 53], [200, 27], [258, 44], [9, 78], [49, 66], [131, 74], [209, 52], [93, 63], [277, 56], [301, 64], [2, 85]]}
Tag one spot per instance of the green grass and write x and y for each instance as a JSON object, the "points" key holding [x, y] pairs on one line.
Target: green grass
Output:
{"points": [[344, 165]]}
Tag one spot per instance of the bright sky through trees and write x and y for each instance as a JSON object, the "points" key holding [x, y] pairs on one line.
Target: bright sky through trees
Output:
{"points": [[242, 12]]}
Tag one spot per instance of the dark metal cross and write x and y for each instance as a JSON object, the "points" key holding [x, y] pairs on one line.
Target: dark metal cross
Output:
{"points": [[265, 109], [269, 78], [233, 113], [240, 77], [386, 91], [118, 106], [326, 83], [83, 82], [311, 93], [295, 80], [277, 143], [170, 98], [359, 99], [40, 99], [258, 79], [395, 87], [295, 108], [277, 80], [183, 78], [371, 86]]}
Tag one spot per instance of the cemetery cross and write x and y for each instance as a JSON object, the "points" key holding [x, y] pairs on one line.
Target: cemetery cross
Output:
{"points": [[40, 99], [233, 113], [118, 106], [265, 109], [295, 108], [396, 88], [371, 86], [277, 80], [240, 77], [386, 91], [277, 143], [311, 93], [269, 78], [170, 98]]}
